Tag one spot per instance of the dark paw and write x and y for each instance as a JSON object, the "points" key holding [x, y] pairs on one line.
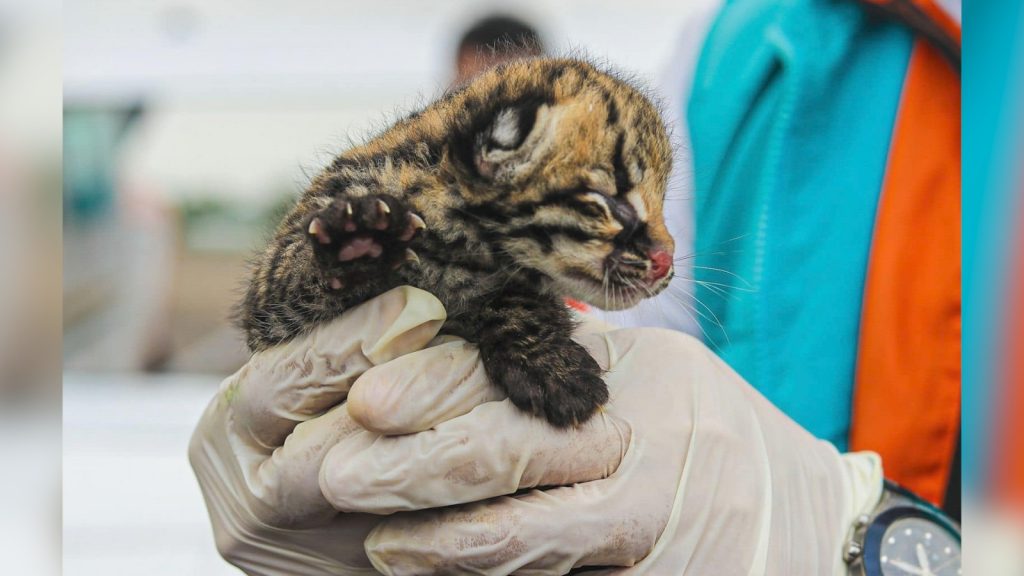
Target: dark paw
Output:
{"points": [[353, 239], [564, 387]]}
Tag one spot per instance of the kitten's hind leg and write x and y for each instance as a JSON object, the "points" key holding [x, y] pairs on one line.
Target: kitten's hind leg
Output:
{"points": [[527, 349], [358, 242]]}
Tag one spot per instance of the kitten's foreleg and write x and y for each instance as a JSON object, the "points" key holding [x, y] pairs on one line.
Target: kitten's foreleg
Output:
{"points": [[329, 255], [526, 346]]}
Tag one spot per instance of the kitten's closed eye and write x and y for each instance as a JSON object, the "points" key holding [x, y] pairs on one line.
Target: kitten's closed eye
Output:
{"points": [[592, 204]]}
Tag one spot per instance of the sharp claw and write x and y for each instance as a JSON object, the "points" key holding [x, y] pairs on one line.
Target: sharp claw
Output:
{"points": [[316, 228], [411, 256], [415, 225], [382, 215], [348, 210]]}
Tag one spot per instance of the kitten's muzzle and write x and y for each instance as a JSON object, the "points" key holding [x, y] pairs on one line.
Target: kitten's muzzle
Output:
{"points": [[661, 265], [652, 269]]}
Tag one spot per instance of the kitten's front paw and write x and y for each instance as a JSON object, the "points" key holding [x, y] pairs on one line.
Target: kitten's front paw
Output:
{"points": [[362, 236], [565, 386]]}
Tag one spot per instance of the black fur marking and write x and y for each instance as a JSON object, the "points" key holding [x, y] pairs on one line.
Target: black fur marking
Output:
{"points": [[486, 215], [544, 234], [343, 162], [537, 234], [527, 118], [622, 182], [554, 75], [613, 112]]}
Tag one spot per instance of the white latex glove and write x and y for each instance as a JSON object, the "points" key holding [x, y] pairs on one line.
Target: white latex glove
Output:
{"points": [[258, 448], [693, 472]]}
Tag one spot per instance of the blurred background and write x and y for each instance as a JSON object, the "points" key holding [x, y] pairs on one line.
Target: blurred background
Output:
{"points": [[188, 128], [147, 149], [993, 284], [30, 293]]}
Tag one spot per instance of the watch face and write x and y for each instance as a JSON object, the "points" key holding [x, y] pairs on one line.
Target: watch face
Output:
{"points": [[917, 546]]}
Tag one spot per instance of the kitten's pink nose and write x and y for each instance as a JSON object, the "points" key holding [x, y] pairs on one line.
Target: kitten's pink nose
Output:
{"points": [[661, 263]]}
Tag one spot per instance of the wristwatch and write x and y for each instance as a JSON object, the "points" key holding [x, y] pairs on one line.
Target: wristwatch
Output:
{"points": [[903, 536]]}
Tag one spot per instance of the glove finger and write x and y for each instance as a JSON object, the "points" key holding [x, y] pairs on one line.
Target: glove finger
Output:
{"points": [[286, 486], [542, 532], [303, 378], [494, 450], [256, 501], [421, 390]]}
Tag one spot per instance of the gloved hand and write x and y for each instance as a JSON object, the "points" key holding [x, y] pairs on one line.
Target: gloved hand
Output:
{"points": [[687, 471], [258, 447]]}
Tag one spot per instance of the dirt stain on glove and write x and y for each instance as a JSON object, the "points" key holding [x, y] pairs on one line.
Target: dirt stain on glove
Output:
{"points": [[467, 474]]}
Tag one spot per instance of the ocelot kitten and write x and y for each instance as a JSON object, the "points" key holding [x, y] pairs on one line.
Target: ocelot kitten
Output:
{"points": [[540, 180]]}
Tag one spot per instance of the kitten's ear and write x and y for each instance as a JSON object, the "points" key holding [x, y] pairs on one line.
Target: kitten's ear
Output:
{"points": [[507, 145]]}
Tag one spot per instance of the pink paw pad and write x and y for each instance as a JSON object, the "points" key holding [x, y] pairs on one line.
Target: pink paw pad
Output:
{"points": [[358, 247]]}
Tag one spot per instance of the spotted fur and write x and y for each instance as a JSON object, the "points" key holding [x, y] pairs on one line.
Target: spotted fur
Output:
{"points": [[540, 180]]}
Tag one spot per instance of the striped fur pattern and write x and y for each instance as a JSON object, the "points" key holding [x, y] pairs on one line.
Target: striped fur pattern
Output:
{"points": [[540, 180]]}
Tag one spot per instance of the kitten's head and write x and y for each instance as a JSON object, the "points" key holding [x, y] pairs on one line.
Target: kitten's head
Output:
{"points": [[574, 163]]}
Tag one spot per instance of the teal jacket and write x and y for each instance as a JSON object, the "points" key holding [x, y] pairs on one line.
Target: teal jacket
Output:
{"points": [[790, 117]]}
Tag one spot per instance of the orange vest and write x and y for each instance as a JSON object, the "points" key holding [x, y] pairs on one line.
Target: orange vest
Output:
{"points": [[907, 395]]}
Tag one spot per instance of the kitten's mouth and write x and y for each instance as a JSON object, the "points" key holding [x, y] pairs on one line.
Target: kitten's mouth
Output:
{"points": [[629, 279], [626, 281], [646, 273], [620, 293]]}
